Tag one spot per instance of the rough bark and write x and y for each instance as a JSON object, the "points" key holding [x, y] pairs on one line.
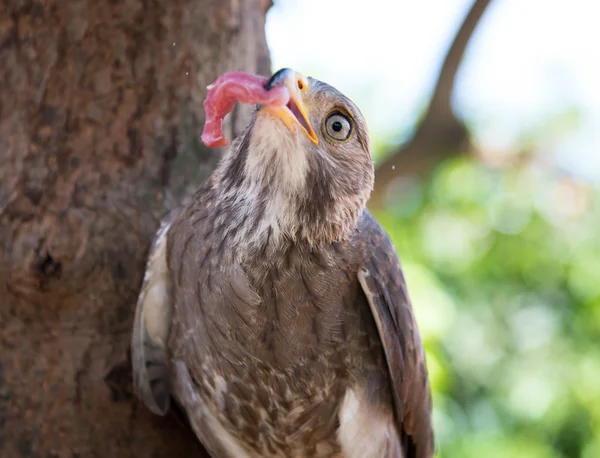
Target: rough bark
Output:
{"points": [[100, 116], [440, 134]]}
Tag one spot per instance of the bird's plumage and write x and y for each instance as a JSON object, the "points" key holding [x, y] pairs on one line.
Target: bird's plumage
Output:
{"points": [[275, 310]]}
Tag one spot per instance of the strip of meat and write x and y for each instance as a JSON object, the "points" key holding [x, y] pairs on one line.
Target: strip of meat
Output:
{"points": [[229, 89]]}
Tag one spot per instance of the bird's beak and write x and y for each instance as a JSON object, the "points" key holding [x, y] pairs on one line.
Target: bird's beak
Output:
{"points": [[294, 113]]}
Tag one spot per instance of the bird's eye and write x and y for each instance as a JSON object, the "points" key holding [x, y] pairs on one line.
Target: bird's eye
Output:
{"points": [[338, 127]]}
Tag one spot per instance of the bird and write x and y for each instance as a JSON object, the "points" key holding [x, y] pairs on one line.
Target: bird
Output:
{"points": [[274, 311]]}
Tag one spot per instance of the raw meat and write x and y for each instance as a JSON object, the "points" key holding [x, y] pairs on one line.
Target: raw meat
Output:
{"points": [[229, 89]]}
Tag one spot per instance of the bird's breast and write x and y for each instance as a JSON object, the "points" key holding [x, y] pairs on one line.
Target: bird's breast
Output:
{"points": [[274, 346]]}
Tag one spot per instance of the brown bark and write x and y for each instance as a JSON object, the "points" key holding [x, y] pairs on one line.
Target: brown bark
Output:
{"points": [[100, 117], [440, 133]]}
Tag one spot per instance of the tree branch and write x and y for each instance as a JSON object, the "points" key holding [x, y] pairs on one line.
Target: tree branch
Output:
{"points": [[440, 134]]}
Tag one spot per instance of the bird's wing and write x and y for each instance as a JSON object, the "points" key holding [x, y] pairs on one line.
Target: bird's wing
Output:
{"points": [[151, 328], [383, 283]]}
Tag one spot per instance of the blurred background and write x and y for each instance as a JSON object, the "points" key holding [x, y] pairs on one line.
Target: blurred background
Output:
{"points": [[485, 124]]}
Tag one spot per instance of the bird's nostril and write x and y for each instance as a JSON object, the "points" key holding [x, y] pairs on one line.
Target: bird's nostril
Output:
{"points": [[300, 84]]}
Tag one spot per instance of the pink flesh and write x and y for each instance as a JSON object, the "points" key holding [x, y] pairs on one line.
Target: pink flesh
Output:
{"points": [[229, 89]]}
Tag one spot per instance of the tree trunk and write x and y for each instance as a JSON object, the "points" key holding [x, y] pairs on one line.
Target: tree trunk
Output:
{"points": [[100, 117]]}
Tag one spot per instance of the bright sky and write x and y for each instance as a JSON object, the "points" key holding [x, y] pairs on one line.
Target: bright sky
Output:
{"points": [[529, 60]]}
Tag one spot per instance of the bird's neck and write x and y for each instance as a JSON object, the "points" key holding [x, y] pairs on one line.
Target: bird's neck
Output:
{"points": [[264, 188], [262, 224]]}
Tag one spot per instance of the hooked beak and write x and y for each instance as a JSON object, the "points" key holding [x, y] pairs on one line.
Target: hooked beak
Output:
{"points": [[294, 113]]}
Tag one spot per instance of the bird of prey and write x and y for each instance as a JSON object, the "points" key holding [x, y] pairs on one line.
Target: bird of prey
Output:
{"points": [[273, 310]]}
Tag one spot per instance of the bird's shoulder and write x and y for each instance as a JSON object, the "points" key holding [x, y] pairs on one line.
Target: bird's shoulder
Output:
{"points": [[371, 239], [195, 234]]}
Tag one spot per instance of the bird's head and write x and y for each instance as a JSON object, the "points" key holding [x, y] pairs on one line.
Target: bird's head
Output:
{"points": [[302, 171]]}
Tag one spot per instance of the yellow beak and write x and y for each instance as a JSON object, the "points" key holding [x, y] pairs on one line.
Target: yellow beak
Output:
{"points": [[294, 114]]}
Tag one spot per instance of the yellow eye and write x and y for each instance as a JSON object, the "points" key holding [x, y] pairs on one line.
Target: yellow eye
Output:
{"points": [[338, 126]]}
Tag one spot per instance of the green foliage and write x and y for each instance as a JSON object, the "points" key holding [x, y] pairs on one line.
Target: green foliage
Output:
{"points": [[503, 266]]}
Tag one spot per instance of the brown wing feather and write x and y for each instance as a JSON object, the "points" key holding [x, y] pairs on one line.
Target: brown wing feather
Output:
{"points": [[383, 283]]}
